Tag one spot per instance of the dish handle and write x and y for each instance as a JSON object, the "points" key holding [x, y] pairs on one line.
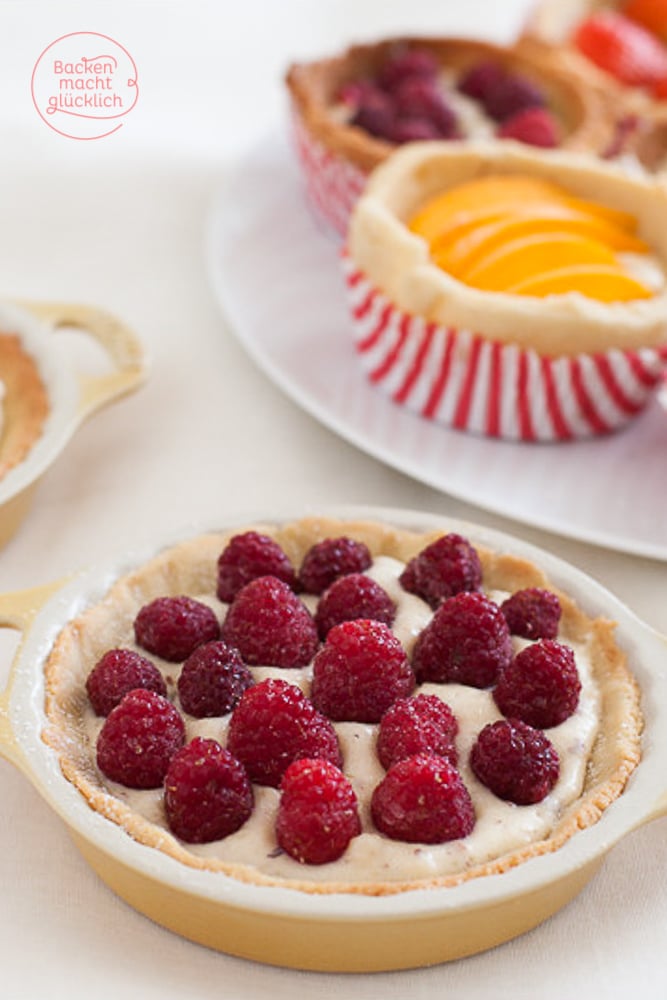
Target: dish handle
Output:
{"points": [[117, 339], [17, 611]]}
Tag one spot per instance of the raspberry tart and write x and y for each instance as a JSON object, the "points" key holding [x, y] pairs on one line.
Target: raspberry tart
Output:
{"points": [[352, 110], [354, 773]]}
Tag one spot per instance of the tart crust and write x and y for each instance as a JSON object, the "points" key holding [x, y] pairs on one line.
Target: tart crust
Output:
{"points": [[398, 262], [25, 402], [190, 567]]}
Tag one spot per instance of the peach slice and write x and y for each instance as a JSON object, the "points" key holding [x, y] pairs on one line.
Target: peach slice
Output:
{"points": [[529, 256], [596, 281]]}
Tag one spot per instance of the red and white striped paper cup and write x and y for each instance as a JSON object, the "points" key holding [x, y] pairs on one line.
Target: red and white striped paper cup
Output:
{"points": [[463, 380]]}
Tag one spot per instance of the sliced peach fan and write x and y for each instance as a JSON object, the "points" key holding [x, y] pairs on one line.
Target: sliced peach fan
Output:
{"points": [[528, 236]]}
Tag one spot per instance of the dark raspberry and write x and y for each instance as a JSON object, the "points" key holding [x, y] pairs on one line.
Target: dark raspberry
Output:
{"points": [[420, 98], [404, 63], [350, 597], [533, 613], [444, 568], [120, 671], [513, 93], [540, 686], [275, 724], [360, 671], [330, 559], [172, 627], [207, 793], [422, 724], [318, 814], [212, 680], [138, 739], [413, 130], [354, 91], [480, 80], [516, 762], [466, 642], [247, 557], [270, 626], [533, 126], [375, 114], [423, 800]]}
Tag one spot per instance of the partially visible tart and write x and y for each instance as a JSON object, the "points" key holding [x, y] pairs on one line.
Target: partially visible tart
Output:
{"points": [[597, 744], [25, 402]]}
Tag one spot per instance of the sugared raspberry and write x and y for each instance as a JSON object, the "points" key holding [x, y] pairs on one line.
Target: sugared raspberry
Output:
{"points": [[172, 627], [274, 724], [420, 98], [318, 813], [330, 559], [421, 724], [480, 79], [533, 613], [512, 94], [361, 669], [116, 673], [138, 739], [444, 568], [540, 686], [466, 642], [248, 556], [207, 793], [375, 114], [423, 800], [516, 762], [270, 626], [534, 126], [350, 597], [405, 62], [212, 680]]}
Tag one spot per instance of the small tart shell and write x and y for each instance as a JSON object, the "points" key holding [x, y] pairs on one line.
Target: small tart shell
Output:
{"points": [[25, 403], [191, 568], [398, 262]]}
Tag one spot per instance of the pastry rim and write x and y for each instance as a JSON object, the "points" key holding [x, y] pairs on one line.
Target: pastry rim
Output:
{"points": [[25, 402], [398, 263], [190, 566]]}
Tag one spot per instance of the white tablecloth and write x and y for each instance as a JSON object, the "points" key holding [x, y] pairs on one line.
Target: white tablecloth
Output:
{"points": [[119, 222]]}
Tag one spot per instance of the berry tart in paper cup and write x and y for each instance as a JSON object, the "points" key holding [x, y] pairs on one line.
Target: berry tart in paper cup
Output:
{"points": [[351, 111], [352, 741], [513, 293]]}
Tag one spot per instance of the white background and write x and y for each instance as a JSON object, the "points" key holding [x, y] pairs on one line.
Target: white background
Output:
{"points": [[120, 223]]}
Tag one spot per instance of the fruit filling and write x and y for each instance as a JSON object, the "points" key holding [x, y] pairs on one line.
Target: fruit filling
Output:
{"points": [[526, 236], [394, 743], [629, 44]]}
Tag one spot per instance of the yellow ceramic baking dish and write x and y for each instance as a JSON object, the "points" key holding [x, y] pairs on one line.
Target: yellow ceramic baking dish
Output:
{"points": [[338, 932]]}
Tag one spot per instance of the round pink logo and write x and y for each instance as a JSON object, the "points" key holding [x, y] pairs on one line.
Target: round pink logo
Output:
{"points": [[84, 84]]}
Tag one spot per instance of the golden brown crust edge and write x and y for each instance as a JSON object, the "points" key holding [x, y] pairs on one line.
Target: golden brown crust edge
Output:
{"points": [[25, 403], [190, 566]]}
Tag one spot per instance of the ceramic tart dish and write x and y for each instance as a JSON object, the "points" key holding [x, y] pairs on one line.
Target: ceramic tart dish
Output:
{"points": [[45, 398], [349, 112], [543, 336], [264, 904]]}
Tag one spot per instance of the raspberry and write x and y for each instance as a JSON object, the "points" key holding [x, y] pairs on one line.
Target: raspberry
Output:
{"points": [[350, 597], [326, 561], [375, 114], [413, 130], [354, 91], [172, 627], [318, 814], [248, 556], [512, 94], [275, 724], [622, 48], [361, 669], [120, 671], [423, 800], [534, 126], [270, 626], [540, 686], [207, 794], [422, 724], [516, 762], [533, 613], [138, 739], [212, 680], [444, 568], [418, 97], [404, 63], [480, 80], [466, 642]]}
